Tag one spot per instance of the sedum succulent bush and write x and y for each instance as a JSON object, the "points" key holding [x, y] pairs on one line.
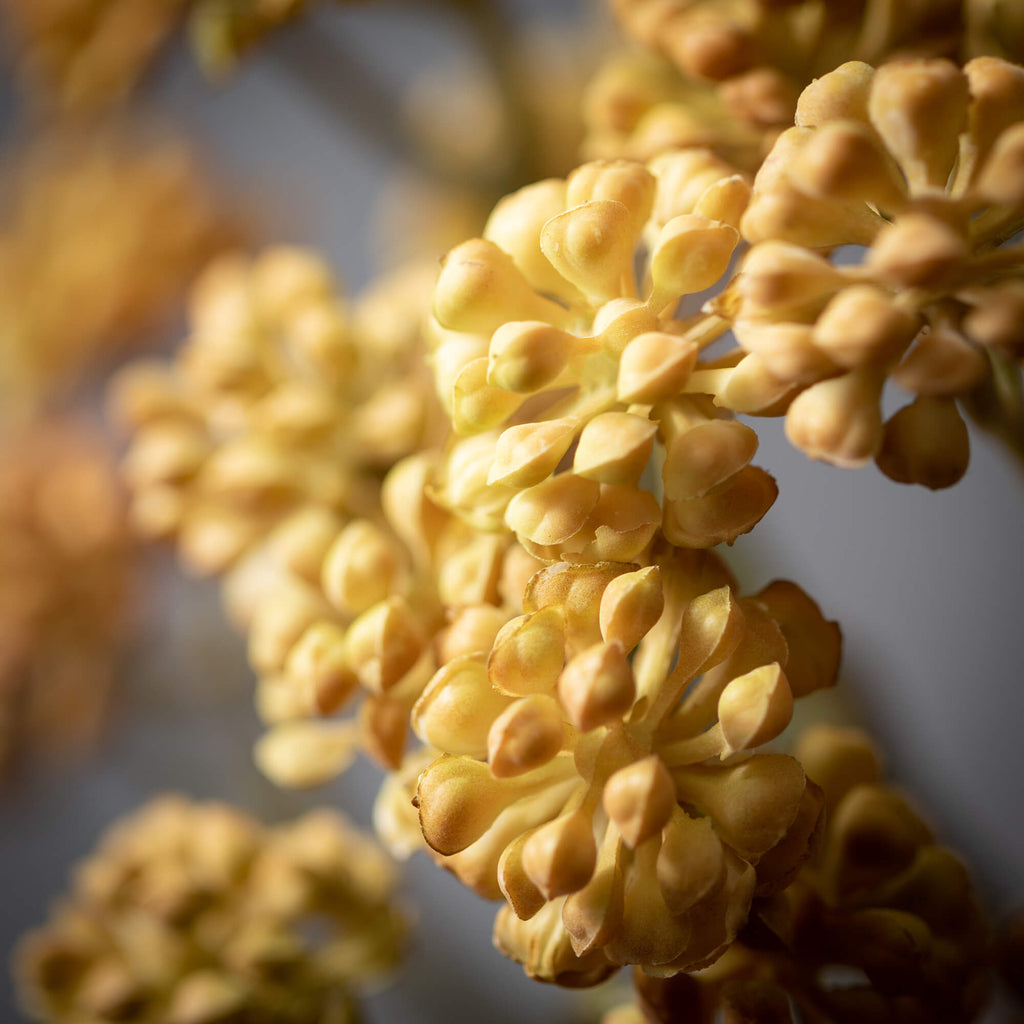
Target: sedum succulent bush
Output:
{"points": [[473, 524]]}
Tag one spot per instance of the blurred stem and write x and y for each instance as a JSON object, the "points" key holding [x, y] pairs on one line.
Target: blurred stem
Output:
{"points": [[997, 404]]}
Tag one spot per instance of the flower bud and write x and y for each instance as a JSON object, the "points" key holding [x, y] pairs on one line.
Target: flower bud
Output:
{"points": [[527, 656], [630, 606], [297, 755], [384, 643], [528, 453], [527, 356], [614, 448], [861, 325], [705, 456], [559, 857], [926, 443], [917, 251], [551, 512], [691, 254], [691, 862], [360, 567], [316, 666], [754, 708], [525, 735], [640, 799], [732, 508], [654, 367], [597, 686]]}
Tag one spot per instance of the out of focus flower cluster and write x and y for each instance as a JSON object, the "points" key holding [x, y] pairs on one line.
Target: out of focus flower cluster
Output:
{"points": [[194, 913], [919, 162], [881, 925], [283, 398], [598, 768], [64, 543], [100, 232]]}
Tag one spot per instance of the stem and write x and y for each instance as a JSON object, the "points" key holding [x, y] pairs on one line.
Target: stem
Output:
{"points": [[997, 405]]}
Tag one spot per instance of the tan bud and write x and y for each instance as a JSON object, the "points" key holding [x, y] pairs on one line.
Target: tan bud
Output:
{"points": [[279, 621], [919, 107], [593, 914], [469, 574], [287, 278], [841, 95], [838, 759], [624, 181], [838, 420], [619, 321], [528, 453], [1000, 179], [480, 288], [691, 861], [515, 225], [384, 643], [302, 540], [917, 251], [559, 857], [779, 281], [297, 755], [592, 247], [166, 452], [620, 528], [630, 606], [360, 568], [527, 734], [316, 666], [614, 448], [522, 895], [941, 362], [925, 442], [471, 630], [705, 456], [477, 405], [750, 387], [654, 367], [997, 99], [455, 711], [710, 47], [684, 178], [733, 508], [597, 686], [725, 200], [754, 708], [528, 653], [691, 254], [861, 325], [551, 512], [640, 799], [786, 350], [528, 356], [384, 728]]}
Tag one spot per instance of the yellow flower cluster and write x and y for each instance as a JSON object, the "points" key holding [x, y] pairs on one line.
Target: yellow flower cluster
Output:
{"points": [[598, 767], [283, 399], [918, 162], [63, 574], [101, 232], [194, 913], [880, 902]]}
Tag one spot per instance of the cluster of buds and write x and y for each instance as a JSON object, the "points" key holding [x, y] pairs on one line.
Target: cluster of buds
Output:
{"points": [[547, 348], [63, 575], [195, 914], [86, 54], [282, 399], [366, 610], [918, 162], [598, 767], [881, 925], [100, 234]]}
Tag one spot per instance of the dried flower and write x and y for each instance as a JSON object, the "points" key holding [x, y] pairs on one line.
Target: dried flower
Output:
{"points": [[598, 768], [194, 913], [282, 399], [545, 351], [916, 162], [881, 925], [99, 235], [63, 574]]}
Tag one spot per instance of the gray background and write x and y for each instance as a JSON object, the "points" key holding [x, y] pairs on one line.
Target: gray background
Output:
{"points": [[926, 586]]}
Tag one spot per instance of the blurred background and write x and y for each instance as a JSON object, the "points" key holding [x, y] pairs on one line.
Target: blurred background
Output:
{"points": [[300, 144]]}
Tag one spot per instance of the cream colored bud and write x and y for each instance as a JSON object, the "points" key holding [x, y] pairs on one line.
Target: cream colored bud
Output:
{"points": [[301, 754], [559, 857], [515, 225], [624, 181], [597, 686], [320, 335], [527, 356], [640, 799], [754, 708], [778, 281], [926, 443], [384, 643], [838, 420], [838, 759], [521, 894], [654, 367], [360, 568], [384, 728], [247, 469], [459, 799], [919, 107], [316, 665], [278, 623], [941, 362], [709, 47], [619, 321], [166, 453], [752, 388], [477, 405], [863, 325], [844, 160], [997, 99], [302, 540], [691, 254], [786, 350], [630, 606], [725, 200], [528, 453], [480, 288], [1001, 180], [551, 512], [455, 711], [705, 456], [917, 251], [592, 247], [684, 178], [471, 630], [732, 508], [528, 653], [691, 861], [840, 95], [614, 448], [621, 527], [296, 412], [469, 574], [527, 734]]}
